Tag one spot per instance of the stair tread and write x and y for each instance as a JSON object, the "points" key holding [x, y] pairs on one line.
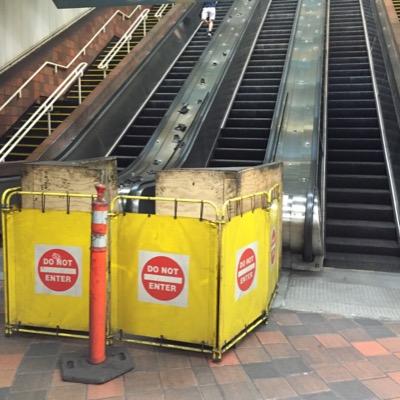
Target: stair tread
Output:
{"points": [[359, 206], [361, 241], [359, 190], [360, 222]]}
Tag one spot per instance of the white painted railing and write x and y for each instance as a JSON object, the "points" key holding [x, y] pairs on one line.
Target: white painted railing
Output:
{"points": [[125, 39], [45, 107], [161, 10]]}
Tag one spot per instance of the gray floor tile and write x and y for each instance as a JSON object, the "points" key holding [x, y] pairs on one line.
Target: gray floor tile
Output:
{"points": [[343, 323], [183, 394], [37, 364], [241, 391], [378, 331], [311, 318], [3, 393], [261, 370], [367, 321], [212, 392], [322, 396], [352, 390], [289, 366], [34, 381], [43, 349], [35, 395]]}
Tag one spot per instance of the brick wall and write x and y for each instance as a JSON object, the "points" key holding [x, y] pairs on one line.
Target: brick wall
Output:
{"points": [[61, 49]]}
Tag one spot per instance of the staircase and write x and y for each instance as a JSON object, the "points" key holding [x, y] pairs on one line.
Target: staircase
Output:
{"points": [[63, 108], [360, 218]]}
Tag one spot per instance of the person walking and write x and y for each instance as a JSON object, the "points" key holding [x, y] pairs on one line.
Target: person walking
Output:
{"points": [[208, 14]]}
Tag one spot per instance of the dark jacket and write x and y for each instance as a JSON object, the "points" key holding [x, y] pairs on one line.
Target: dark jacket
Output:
{"points": [[209, 3]]}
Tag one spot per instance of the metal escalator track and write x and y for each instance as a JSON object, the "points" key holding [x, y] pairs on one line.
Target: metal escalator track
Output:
{"points": [[91, 78], [244, 137], [145, 123], [360, 216]]}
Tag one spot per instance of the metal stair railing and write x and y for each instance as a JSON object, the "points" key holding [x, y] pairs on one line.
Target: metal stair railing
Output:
{"points": [[161, 10], [18, 92], [125, 39], [44, 108]]}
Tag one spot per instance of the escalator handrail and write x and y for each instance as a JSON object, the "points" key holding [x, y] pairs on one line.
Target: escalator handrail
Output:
{"points": [[281, 99], [318, 160], [392, 184]]}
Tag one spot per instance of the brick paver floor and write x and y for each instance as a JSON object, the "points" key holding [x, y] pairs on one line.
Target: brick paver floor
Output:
{"points": [[295, 356]]}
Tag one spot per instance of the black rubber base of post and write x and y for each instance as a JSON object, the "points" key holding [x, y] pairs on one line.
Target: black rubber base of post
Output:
{"points": [[75, 367]]}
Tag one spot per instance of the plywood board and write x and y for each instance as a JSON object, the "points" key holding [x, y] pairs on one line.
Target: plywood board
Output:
{"points": [[72, 177], [198, 184], [216, 185]]}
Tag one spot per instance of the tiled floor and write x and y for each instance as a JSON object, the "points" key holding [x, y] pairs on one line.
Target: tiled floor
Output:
{"points": [[295, 356]]}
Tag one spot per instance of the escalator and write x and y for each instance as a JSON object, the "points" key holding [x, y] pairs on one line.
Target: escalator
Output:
{"points": [[135, 137], [243, 139], [359, 211], [91, 78]]}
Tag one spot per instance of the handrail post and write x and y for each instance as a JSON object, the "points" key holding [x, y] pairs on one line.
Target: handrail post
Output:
{"points": [[79, 89], [144, 26], [49, 122], [55, 68]]}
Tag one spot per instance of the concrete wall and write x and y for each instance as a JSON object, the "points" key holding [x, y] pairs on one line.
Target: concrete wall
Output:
{"points": [[24, 24]]}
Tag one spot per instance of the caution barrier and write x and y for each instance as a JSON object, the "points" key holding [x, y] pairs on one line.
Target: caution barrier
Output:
{"points": [[46, 266], [192, 283], [182, 282]]}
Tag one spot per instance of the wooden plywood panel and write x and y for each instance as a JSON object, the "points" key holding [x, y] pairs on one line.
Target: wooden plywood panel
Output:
{"points": [[197, 184], [72, 177], [216, 185]]}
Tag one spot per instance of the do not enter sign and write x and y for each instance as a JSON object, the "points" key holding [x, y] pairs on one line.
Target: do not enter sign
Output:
{"points": [[58, 270], [163, 278], [273, 246], [246, 269]]}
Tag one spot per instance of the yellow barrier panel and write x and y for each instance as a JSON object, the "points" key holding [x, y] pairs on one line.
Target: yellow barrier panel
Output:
{"points": [[47, 269], [164, 277], [245, 279]]}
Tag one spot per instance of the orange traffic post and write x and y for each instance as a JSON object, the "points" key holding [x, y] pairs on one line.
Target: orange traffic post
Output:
{"points": [[98, 282], [100, 366]]}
